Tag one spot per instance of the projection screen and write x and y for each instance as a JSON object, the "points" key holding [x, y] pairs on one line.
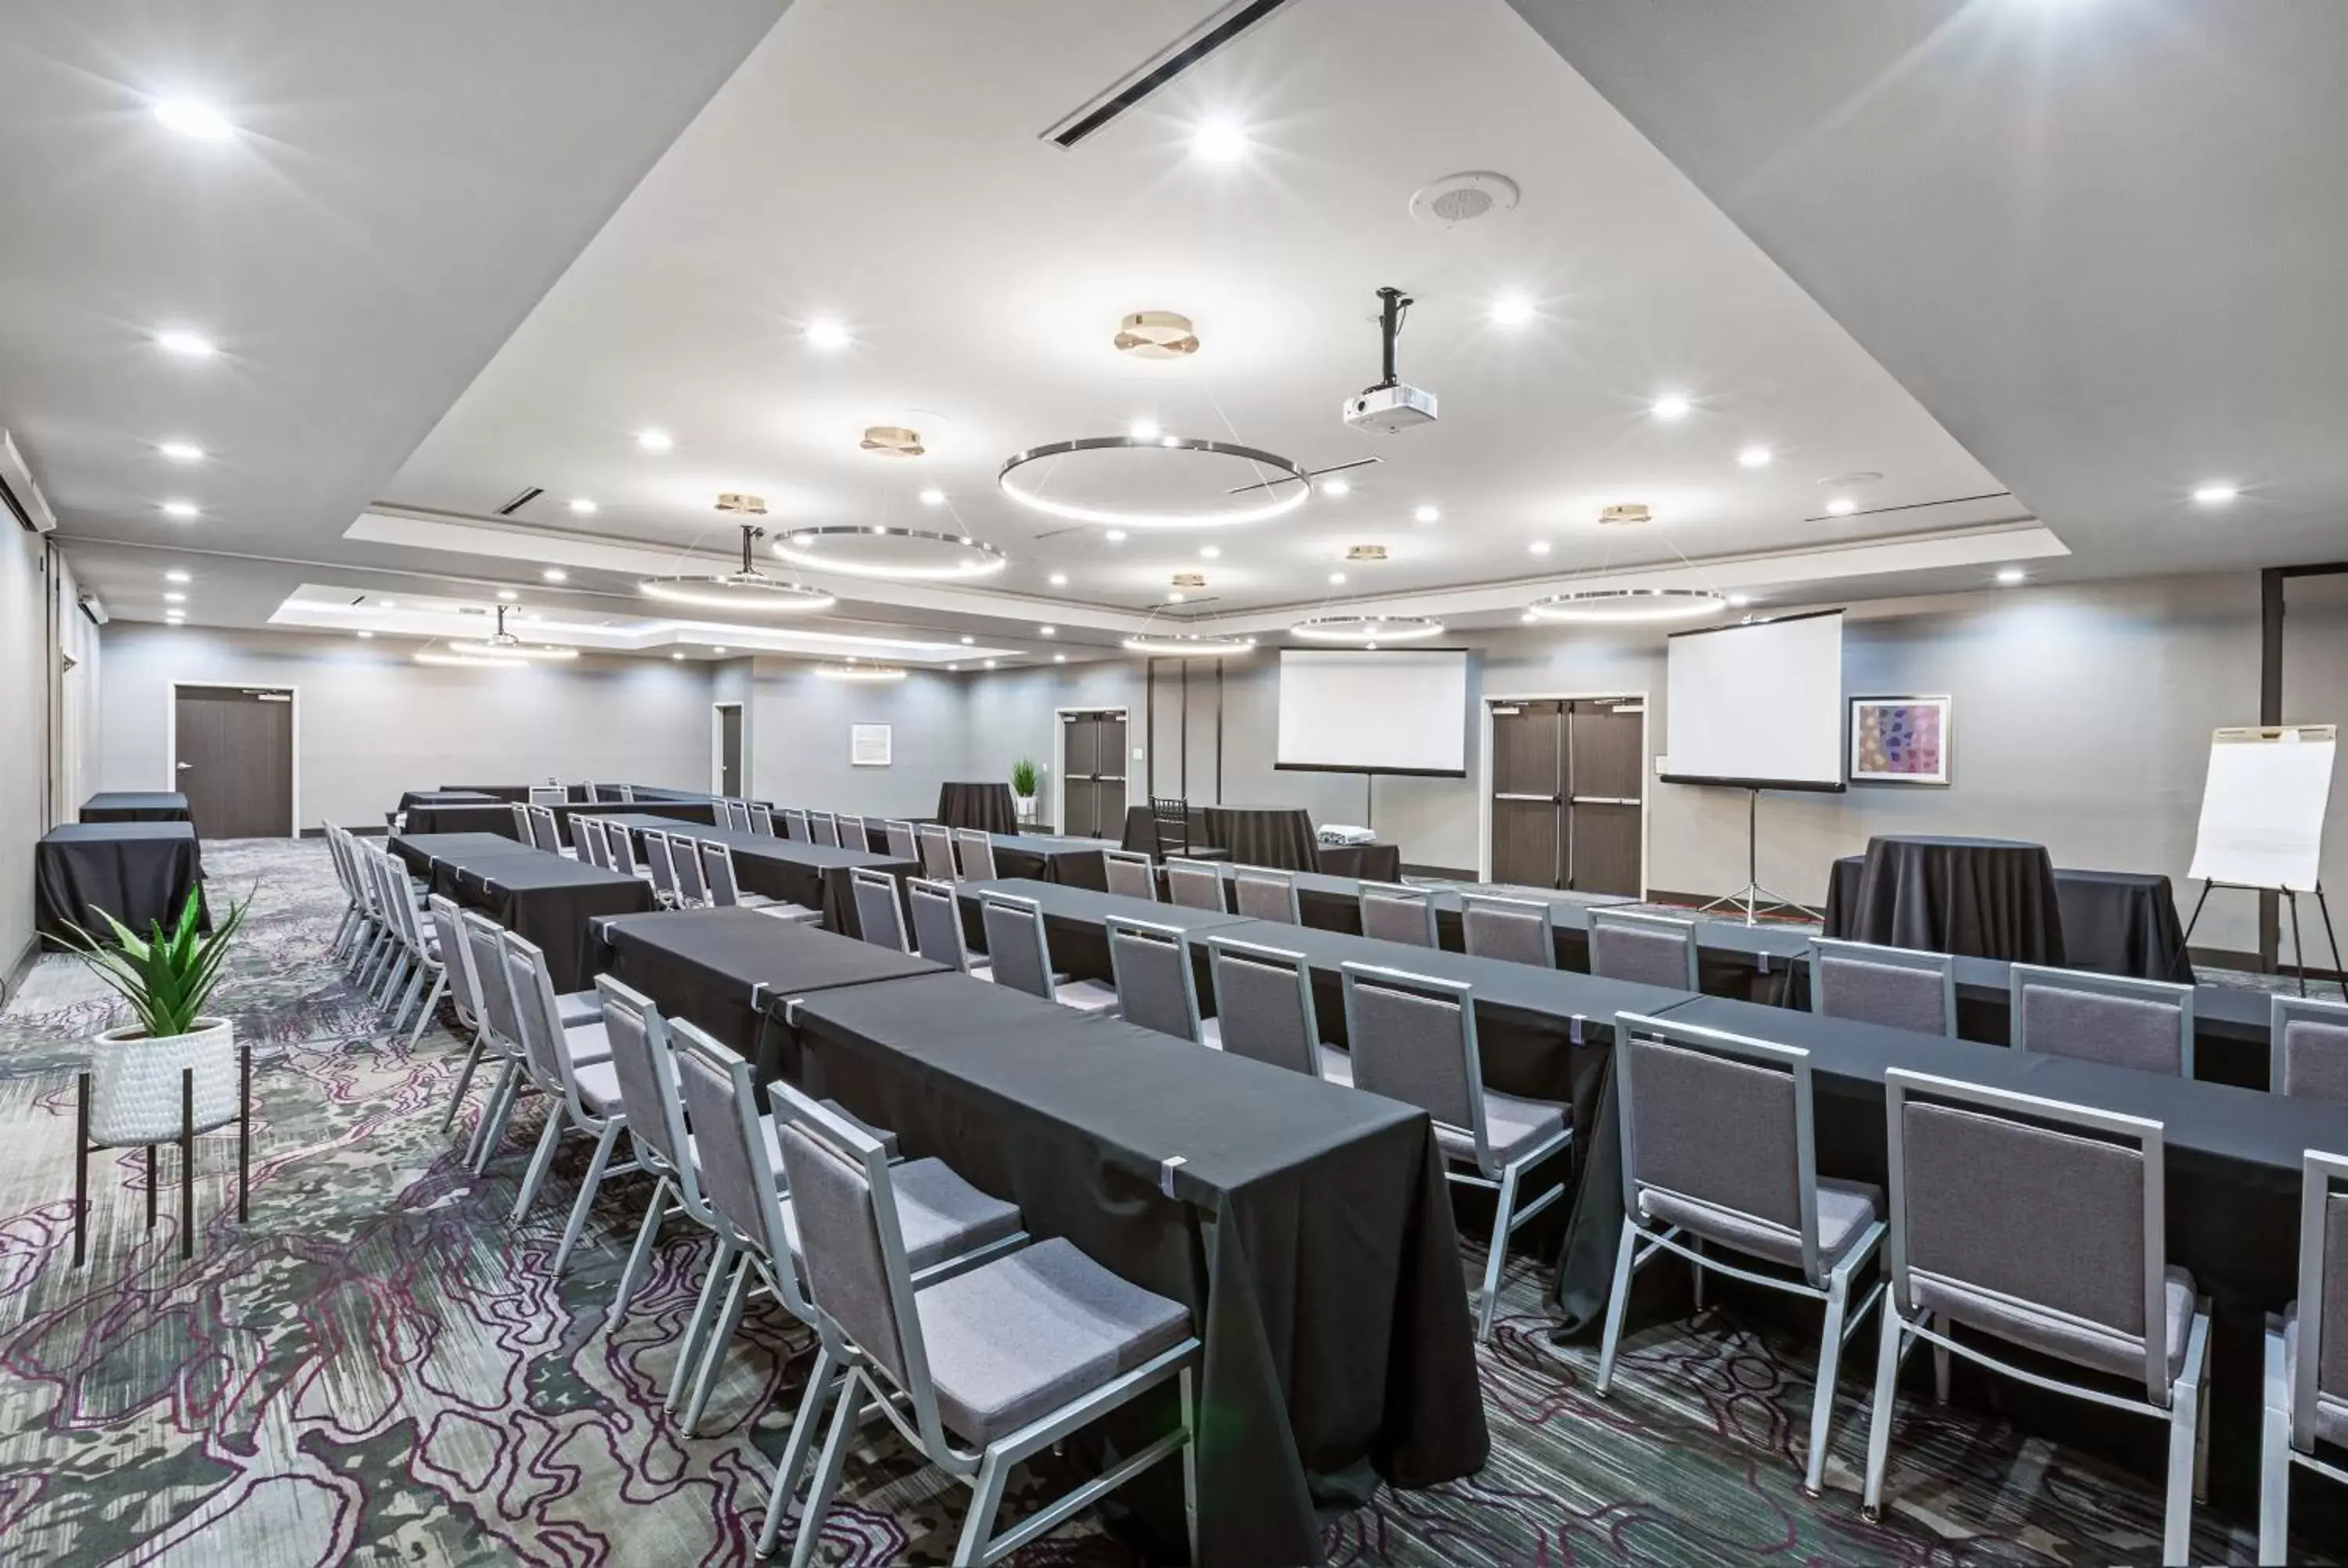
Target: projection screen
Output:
{"points": [[1758, 706], [1374, 711]]}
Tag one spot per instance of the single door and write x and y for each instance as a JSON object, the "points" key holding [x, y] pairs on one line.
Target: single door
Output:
{"points": [[1606, 750], [729, 750], [1528, 794], [1108, 780], [234, 758]]}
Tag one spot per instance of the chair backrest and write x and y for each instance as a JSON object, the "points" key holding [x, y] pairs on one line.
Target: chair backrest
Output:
{"points": [[738, 815], [937, 922], [1718, 1121], [2322, 1370], [880, 919], [457, 957], [1393, 912], [1131, 874], [937, 852], [795, 825], [1170, 819], [737, 1174], [626, 793], [853, 835], [1261, 893], [976, 847], [1194, 884], [521, 824], [538, 1015], [619, 843], [587, 831], [899, 838], [2111, 1019], [658, 857], [1413, 1038], [2309, 1048], [691, 885], [549, 794], [1155, 987], [484, 945], [1015, 944], [1897, 987], [1517, 929], [400, 902], [545, 831], [1652, 950], [762, 819], [824, 828], [644, 1063], [594, 794], [717, 870], [1264, 1004], [2031, 1205]]}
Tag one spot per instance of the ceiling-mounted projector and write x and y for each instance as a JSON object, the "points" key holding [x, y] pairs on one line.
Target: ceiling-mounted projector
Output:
{"points": [[1390, 406]]}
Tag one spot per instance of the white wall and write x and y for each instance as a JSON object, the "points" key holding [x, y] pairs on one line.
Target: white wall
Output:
{"points": [[371, 722], [801, 721], [23, 728]]}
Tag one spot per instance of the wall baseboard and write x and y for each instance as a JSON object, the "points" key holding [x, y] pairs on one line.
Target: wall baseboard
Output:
{"points": [[383, 832], [1446, 873], [20, 967]]}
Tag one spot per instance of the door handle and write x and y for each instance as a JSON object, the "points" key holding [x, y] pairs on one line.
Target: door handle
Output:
{"points": [[183, 767]]}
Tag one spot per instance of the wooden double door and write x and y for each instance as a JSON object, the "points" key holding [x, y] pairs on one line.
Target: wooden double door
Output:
{"points": [[1568, 782], [1092, 773]]}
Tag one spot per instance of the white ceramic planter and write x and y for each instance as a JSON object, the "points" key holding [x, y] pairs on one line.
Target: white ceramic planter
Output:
{"points": [[1025, 806], [135, 1084]]}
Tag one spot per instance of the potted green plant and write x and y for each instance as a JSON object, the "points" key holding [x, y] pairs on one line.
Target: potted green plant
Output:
{"points": [[1023, 776], [135, 1069]]}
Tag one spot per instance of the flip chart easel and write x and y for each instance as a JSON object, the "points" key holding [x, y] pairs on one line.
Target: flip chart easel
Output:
{"points": [[2261, 827]]}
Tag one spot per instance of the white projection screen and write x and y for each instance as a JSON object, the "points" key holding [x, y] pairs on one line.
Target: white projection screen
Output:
{"points": [[1758, 706], [1374, 711]]}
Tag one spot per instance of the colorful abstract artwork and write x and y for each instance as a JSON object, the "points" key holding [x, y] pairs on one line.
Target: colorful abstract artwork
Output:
{"points": [[1900, 740]]}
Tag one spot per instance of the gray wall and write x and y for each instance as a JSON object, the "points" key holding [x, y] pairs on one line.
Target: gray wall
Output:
{"points": [[24, 724], [801, 721]]}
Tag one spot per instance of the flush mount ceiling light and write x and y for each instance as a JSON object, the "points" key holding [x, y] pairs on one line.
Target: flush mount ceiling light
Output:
{"points": [[892, 441], [1626, 514], [1179, 645], [1366, 628], [470, 660], [1156, 334], [1621, 606], [743, 588], [845, 672], [1366, 553], [502, 644], [1160, 452], [905, 555], [190, 118]]}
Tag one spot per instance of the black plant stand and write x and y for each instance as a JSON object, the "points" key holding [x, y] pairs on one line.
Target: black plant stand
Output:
{"points": [[84, 1148]]}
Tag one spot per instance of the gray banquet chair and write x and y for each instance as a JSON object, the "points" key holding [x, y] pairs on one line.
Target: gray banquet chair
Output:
{"points": [[1394, 912], [725, 888], [546, 830], [645, 1066], [2035, 1223], [1130, 874], [1519, 930], [1261, 893], [762, 820], [978, 1369], [937, 928], [692, 886], [2306, 1406], [464, 994], [2307, 1049], [977, 848], [586, 831], [1757, 1193], [937, 853], [1194, 884], [852, 835], [795, 824], [2110, 1018], [824, 828], [880, 919], [1652, 950], [1896, 986], [1264, 1011], [1155, 987], [572, 1066], [662, 861], [899, 837], [1413, 1038], [1021, 956], [620, 843]]}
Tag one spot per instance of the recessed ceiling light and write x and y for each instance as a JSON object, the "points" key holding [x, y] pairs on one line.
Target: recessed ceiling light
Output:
{"points": [[1047, 632], [2009, 576], [178, 508], [175, 599], [1059, 580], [1177, 597], [1336, 577], [366, 636], [655, 440], [720, 648], [181, 451], [1739, 600], [1528, 617], [190, 118], [828, 333], [508, 595], [2216, 494], [582, 506], [555, 574], [934, 497], [175, 618], [1210, 552], [1841, 506], [1336, 486], [1115, 536], [1670, 405], [1539, 546], [1512, 310], [1059, 659], [1428, 515], [968, 640], [187, 344], [1221, 139], [175, 577], [1143, 430], [953, 668], [990, 665], [1756, 456], [678, 656]]}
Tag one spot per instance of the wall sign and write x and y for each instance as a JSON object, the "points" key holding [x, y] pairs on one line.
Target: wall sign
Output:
{"points": [[868, 745]]}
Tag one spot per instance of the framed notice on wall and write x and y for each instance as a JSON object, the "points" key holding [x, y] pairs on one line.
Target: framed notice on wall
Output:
{"points": [[868, 745], [1900, 740]]}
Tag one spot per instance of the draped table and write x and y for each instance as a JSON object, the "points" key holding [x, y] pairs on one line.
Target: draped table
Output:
{"points": [[136, 805], [812, 875], [545, 899], [1976, 898], [2114, 922], [982, 805], [497, 816], [138, 872], [1280, 837]]}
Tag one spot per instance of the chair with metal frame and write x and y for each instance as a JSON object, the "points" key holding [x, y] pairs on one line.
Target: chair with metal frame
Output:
{"points": [[1169, 820], [879, 918], [937, 853], [1264, 1011], [795, 824], [592, 834], [620, 844], [546, 832], [354, 910], [571, 1065], [464, 994], [691, 885], [1021, 954], [976, 848], [1690, 1186], [1652, 950], [762, 819], [725, 888], [522, 829], [2306, 1404], [1131, 874], [1518, 930], [580, 1012], [2307, 1049], [823, 828], [2114, 1019], [981, 1370], [937, 928], [1397, 912], [734, 815], [1263, 892], [1154, 986], [550, 795], [853, 833], [899, 837], [1413, 1038], [1194, 884], [1899, 988], [2041, 1225]]}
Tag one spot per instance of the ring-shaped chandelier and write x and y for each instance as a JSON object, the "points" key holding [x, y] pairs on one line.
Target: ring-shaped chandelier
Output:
{"points": [[1290, 472], [969, 558], [747, 589], [850, 671], [1179, 645], [1627, 606], [1366, 629]]}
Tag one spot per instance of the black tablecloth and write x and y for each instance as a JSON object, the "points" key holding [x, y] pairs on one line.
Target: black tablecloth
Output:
{"points": [[136, 805], [498, 817], [986, 805], [1367, 862], [1309, 1230], [1980, 898], [541, 897], [2114, 922], [418, 851], [138, 872], [729, 971], [813, 875], [1279, 836], [1075, 924], [1051, 857], [506, 791], [417, 797]]}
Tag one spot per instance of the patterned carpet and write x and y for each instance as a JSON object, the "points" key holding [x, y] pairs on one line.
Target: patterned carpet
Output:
{"points": [[379, 1371]]}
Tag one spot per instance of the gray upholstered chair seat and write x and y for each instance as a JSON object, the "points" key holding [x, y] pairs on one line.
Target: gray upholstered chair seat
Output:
{"points": [[2331, 1409], [1211, 1033], [940, 1214], [1510, 1126], [599, 1087], [1085, 995], [586, 1042], [578, 1008], [2073, 1339], [1029, 1333], [1336, 1067], [1845, 1211], [794, 914]]}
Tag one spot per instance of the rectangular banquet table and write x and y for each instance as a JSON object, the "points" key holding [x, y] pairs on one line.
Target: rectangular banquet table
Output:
{"points": [[498, 817], [138, 872], [2115, 922], [413, 798], [1334, 903], [1052, 857], [1076, 924], [543, 897], [136, 805], [1280, 837], [1307, 1226], [813, 875]]}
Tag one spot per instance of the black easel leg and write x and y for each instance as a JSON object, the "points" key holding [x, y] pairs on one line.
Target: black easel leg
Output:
{"points": [[2323, 908], [2197, 915], [186, 1163], [2298, 953], [81, 1165], [151, 1186], [244, 1133]]}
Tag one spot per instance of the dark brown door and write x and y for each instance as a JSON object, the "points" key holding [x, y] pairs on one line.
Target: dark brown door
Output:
{"points": [[729, 750], [1093, 782], [1109, 784], [1528, 794], [234, 760], [1606, 748]]}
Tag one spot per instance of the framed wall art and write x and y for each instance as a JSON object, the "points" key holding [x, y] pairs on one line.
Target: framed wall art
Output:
{"points": [[1900, 740]]}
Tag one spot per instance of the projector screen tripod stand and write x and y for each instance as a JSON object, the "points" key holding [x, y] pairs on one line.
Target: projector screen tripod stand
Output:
{"points": [[1754, 898]]}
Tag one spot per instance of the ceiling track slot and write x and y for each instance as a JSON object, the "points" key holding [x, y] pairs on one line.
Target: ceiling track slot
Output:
{"points": [[518, 502], [1224, 25]]}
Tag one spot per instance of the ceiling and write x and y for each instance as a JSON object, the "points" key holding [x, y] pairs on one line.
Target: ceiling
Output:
{"points": [[1906, 240]]}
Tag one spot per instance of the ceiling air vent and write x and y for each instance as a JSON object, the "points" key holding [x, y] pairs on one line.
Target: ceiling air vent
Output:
{"points": [[1463, 197], [1366, 553], [1189, 579], [892, 441], [518, 502], [1624, 514]]}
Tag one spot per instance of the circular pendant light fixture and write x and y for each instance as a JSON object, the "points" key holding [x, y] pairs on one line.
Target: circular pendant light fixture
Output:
{"points": [[746, 588], [504, 645], [903, 555], [1287, 487], [1366, 629], [1627, 606], [848, 670], [1184, 645]]}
